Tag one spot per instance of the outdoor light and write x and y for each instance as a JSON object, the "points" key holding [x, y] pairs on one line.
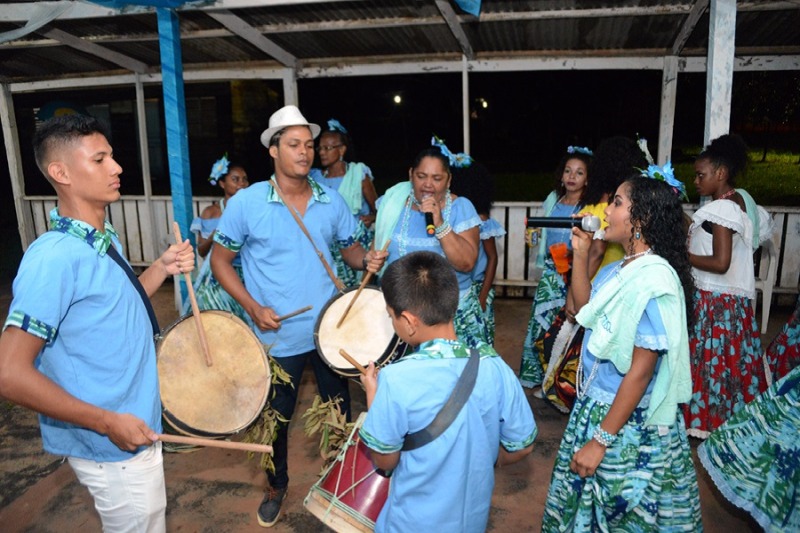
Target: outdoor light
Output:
{"points": [[397, 99], [483, 102]]}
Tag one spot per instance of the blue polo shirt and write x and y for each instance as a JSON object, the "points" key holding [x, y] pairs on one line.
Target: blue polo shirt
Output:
{"points": [[281, 268], [98, 338], [446, 484]]}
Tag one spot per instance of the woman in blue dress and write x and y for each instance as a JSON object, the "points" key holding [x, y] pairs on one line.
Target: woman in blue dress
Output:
{"points": [[454, 231], [353, 181], [624, 463], [565, 200], [209, 293]]}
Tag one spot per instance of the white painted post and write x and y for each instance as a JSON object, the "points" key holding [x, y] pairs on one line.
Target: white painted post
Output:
{"points": [[144, 151], [11, 139], [669, 89], [290, 96], [719, 72], [465, 102]]}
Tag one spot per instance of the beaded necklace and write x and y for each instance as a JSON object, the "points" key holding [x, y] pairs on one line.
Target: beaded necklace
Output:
{"points": [[403, 238], [728, 194]]}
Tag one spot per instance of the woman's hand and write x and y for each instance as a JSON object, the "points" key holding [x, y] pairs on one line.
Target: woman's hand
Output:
{"points": [[587, 459], [430, 204]]}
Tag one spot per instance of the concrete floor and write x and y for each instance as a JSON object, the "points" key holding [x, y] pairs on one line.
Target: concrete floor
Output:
{"points": [[214, 490]]}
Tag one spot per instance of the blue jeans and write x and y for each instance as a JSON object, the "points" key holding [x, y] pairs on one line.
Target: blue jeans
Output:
{"points": [[329, 385]]}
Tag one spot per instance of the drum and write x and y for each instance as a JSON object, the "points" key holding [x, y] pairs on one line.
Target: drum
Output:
{"points": [[217, 400], [351, 493], [366, 334]]}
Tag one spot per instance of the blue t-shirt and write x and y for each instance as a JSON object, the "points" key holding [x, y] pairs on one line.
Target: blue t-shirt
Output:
{"points": [[447, 484], [409, 234], [281, 268], [98, 338], [650, 334], [334, 184]]}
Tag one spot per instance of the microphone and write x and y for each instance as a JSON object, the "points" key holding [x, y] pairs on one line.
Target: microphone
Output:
{"points": [[429, 227], [590, 223]]}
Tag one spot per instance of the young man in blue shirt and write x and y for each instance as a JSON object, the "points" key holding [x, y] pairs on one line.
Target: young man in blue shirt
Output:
{"points": [[78, 345], [282, 271], [447, 483]]}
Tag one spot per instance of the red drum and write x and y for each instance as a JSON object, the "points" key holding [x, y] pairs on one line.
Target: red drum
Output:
{"points": [[351, 493], [366, 334]]}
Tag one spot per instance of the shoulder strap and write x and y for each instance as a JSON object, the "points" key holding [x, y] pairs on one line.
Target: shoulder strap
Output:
{"points": [[114, 254], [336, 281], [451, 408]]}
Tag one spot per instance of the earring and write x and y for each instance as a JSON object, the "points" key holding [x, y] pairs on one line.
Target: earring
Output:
{"points": [[637, 235]]}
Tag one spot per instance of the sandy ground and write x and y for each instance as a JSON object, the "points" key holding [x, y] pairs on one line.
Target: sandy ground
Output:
{"points": [[214, 490]]}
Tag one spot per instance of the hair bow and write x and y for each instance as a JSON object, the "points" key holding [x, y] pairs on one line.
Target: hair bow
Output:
{"points": [[335, 125], [219, 169], [459, 160], [579, 150], [661, 173]]}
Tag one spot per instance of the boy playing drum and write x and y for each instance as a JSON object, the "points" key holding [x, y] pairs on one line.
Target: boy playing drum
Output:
{"points": [[446, 483]]}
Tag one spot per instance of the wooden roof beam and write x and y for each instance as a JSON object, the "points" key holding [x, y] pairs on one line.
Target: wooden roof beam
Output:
{"points": [[689, 24], [250, 34], [452, 21], [122, 60]]}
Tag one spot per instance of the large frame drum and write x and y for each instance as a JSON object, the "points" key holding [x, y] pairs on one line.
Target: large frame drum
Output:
{"points": [[366, 334], [217, 400]]}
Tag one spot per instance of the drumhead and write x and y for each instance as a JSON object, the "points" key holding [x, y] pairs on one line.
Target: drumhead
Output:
{"points": [[212, 400], [366, 334]]}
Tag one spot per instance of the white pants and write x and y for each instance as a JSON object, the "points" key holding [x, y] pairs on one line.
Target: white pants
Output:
{"points": [[129, 495]]}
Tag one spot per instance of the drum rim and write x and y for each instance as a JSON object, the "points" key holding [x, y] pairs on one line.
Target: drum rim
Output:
{"points": [[351, 372], [183, 427]]}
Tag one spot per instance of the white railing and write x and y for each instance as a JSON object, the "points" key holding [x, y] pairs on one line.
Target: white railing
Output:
{"points": [[146, 231]]}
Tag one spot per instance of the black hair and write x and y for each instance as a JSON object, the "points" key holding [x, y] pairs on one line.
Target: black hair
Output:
{"points": [[615, 159], [58, 132], [559, 187], [424, 284], [727, 150], [431, 151], [657, 210], [476, 184]]}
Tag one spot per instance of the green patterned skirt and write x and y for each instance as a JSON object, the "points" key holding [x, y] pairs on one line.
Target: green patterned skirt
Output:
{"points": [[210, 294], [349, 276], [646, 481], [470, 321], [551, 294], [754, 457]]}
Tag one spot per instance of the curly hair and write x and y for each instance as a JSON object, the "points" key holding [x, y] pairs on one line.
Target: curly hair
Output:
{"points": [[658, 211], [558, 174], [614, 160], [729, 151], [476, 184]]}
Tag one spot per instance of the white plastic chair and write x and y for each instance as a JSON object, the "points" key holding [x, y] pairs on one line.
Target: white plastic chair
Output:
{"points": [[765, 285]]}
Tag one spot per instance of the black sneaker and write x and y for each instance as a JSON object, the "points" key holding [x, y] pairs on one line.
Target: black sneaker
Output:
{"points": [[270, 509]]}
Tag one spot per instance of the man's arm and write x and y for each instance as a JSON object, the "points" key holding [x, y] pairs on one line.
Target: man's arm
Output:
{"points": [[22, 383]]}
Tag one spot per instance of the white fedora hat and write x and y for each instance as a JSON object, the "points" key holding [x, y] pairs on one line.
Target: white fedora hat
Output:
{"points": [[283, 118]]}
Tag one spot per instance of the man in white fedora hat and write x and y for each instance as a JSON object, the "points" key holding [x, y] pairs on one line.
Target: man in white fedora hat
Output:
{"points": [[283, 271]]}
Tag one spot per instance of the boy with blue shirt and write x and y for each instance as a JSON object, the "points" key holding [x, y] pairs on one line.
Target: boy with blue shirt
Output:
{"points": [[446, 484], [78, 345], [282, 271]]}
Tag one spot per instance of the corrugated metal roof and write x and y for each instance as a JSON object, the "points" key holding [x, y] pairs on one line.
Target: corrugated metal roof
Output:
{"points": [[316, 32]]}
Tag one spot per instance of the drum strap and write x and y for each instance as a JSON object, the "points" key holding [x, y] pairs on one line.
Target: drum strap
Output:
{"points": [[451, 408], [114, 254], [336, 281]]}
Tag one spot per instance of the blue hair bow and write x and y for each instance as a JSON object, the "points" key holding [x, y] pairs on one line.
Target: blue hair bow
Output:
{"points": [[579, 150], [335, 125], [219, 169], [459, 160]]}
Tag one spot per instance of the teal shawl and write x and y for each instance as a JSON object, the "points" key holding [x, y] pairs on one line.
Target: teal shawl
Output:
{"points": [[611, 315]]}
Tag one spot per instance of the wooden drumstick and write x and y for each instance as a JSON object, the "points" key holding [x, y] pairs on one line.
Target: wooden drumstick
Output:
{"points": [[294, 313], [352, 361], [197, 441], [360, 288], [198, 322]]}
